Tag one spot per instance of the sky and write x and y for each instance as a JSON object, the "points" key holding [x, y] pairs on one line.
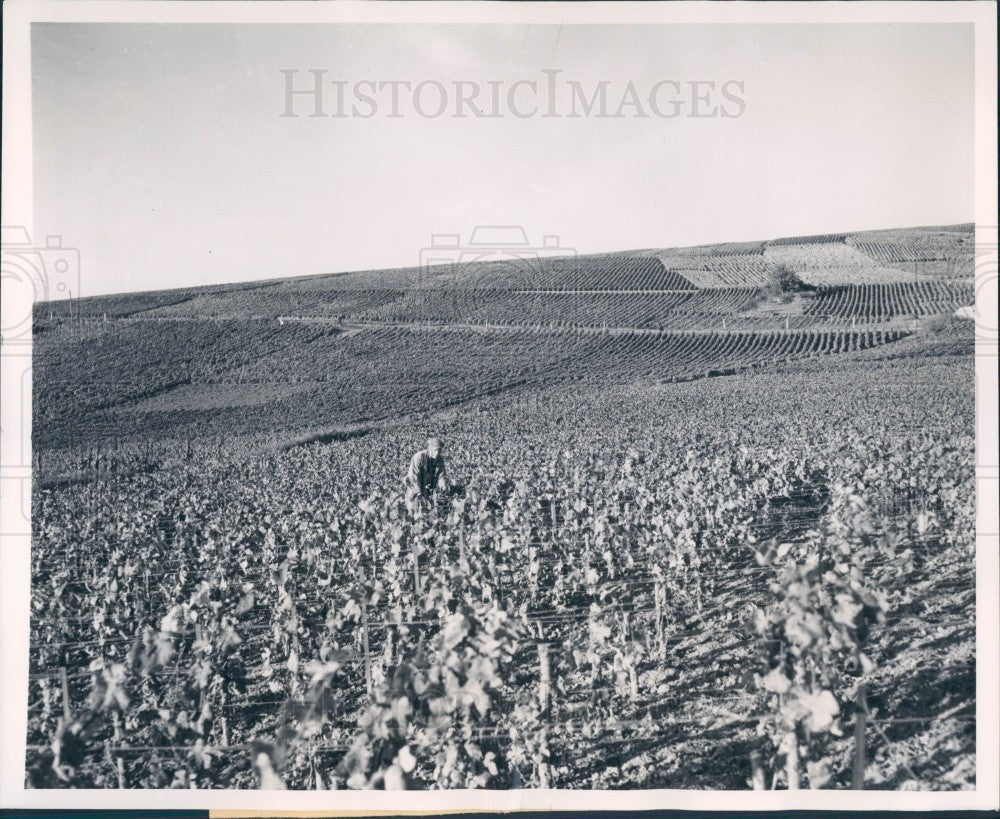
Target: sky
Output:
{"points": [[160, 152]]}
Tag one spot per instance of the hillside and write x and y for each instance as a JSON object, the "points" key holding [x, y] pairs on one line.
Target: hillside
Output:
{"points": [[700, 532], [289, 357], [635, 288]]}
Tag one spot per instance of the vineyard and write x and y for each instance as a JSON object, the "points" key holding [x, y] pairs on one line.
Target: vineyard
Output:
{"points": [[698, 536], [940, 244], [546, 286], [724, 271], [672, 309], [198, 379], [573, 273], [832, 263], [598, 610], [884, 302]]}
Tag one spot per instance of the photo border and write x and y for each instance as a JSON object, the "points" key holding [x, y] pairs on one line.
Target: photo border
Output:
{"points": [[15, 380]]}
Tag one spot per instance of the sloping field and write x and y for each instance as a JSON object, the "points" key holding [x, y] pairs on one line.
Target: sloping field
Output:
{"points": [[874, 257], [613, 271], [884, 302], [679, 309], [532, 308], [822, 239], [722, 271], [688, 558], [941, 252], [871, 257], [832, 262], [651, 538], [144, 377]]}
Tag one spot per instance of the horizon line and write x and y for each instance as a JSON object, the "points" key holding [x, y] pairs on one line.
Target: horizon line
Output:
{"points": [[512, 248]]}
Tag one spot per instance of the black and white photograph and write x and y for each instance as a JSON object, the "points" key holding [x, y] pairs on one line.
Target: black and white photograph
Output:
{"points": [[520, 404]]}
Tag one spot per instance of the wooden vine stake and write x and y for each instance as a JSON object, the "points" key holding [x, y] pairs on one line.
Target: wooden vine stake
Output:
{"points": [[366, 637], [545, 704], [222, 719], [858, 777], [389, 651], [443, 556], [659, 596], [757, 776], [65, 693], [544, 679], [416, 566], [116, 768], [792, 759]]}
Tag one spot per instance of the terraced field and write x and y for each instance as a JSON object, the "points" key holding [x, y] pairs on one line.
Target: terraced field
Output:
{"points": [[884, 302], [831, 263], [526, 289]]}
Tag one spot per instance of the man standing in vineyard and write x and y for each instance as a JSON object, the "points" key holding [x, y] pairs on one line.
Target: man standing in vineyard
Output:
{"points": [[425, 476]]}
